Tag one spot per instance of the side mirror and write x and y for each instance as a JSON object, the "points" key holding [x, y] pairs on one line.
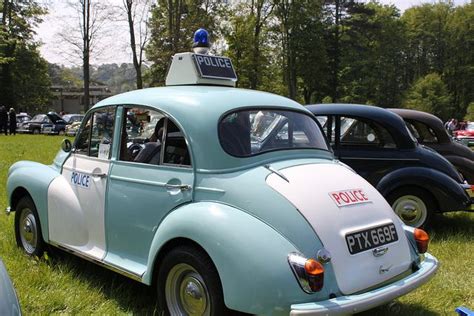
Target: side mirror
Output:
{"points": [[66, 145]]}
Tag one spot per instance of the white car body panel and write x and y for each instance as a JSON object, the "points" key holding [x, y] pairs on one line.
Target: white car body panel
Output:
{"points": [[309, 189], [76, 206]]}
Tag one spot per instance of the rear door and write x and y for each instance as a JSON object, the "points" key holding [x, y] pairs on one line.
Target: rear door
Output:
{"points": [[76, 199], [151, 176]]}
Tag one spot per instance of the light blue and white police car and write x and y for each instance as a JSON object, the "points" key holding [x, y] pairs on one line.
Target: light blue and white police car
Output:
{"points": [[222, 198]]}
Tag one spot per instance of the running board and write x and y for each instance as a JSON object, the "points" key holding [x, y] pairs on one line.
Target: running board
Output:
{"points": [[101, 263]]}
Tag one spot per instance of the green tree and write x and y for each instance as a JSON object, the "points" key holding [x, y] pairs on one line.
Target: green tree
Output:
{"points": [[430, 94], [19, 53], [470, 112], [248, 41], [459, 66], [427, 37], [372, 55]]}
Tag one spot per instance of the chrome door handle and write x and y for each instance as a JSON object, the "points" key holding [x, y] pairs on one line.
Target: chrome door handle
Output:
{"points": [[98, 174], [182, 187]]}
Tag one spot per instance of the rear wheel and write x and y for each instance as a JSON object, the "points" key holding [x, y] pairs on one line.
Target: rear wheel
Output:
{"points": [[188, 284], [414, 206], [27, 228], [36, 131]]}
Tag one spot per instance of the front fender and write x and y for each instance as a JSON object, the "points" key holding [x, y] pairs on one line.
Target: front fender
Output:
{"points": [[250, 256], [35, 179], [449, 195]]}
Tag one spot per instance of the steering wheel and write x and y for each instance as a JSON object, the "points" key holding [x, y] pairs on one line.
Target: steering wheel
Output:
{"points": [[134, 149]]}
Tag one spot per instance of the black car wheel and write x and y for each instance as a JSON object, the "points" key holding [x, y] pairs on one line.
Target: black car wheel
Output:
{"points": [[36, 131], [27, 227], [414, 206], [188, 284], [61, 132]]}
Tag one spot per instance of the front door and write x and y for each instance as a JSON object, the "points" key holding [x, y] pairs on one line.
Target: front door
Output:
{"points": [[76, 199]]}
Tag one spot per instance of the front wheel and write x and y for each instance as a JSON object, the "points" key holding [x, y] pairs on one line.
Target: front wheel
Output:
{"points": [[414, 206], [188, 284], [27, 228]]}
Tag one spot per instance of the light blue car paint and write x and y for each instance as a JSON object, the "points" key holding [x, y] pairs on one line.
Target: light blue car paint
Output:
{"points": [[260, 252], [39, 177]]}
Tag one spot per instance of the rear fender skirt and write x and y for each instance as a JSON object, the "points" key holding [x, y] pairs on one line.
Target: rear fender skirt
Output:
{"points": [[464, 165], [448, 194]]}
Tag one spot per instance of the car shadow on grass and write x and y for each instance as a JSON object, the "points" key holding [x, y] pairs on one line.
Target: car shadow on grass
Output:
{"points": [[448, 225], [130, 296], [397, 308]]}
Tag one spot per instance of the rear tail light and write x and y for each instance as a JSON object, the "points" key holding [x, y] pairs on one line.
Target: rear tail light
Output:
{"points": [[308, 272], [422, 240]]}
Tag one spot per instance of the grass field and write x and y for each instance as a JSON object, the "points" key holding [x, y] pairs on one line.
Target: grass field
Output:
{"points": [[63, 284]]}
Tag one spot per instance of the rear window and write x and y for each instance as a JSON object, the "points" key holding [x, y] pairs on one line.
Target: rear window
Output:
{"points": [[251, 132]]}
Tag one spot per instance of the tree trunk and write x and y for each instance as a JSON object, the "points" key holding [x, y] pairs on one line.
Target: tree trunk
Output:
{"points": [[86, 51], [136, 63], [335, 69]]}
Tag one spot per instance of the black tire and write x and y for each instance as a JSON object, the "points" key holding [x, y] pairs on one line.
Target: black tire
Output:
{"points": [[421, 203], [27, 228], [36, 131], [191, 268], [61, 132]]}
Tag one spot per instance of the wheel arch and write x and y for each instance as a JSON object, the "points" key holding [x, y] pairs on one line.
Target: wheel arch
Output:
{"points": [[230, 237], [447, 194], [16, 195], [32, 178]]}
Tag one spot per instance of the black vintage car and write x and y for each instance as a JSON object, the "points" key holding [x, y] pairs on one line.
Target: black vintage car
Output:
{"points": [[50, 123], [378, 145], [429, 130]]}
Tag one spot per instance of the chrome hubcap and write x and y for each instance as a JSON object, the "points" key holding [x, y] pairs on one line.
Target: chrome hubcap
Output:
{"points": [[186, 293], [28, 230], [411, 209]]}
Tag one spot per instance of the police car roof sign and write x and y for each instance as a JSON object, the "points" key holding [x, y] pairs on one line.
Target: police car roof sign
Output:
{"points": [[197, 69], [214, 67]]}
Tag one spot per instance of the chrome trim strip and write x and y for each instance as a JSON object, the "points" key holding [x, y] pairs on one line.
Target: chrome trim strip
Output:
{"points": [[209, 189], [158, 184], [109, 266], [390, 159]]}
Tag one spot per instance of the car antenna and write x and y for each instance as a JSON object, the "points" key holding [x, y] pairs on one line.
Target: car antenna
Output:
{"points": [[278, 173]]}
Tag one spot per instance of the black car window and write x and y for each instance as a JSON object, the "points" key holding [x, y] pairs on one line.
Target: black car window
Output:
{"points": [[329, 128], [96, 135], [364, 133], [150, 137], [247, 133], [423, 133]]}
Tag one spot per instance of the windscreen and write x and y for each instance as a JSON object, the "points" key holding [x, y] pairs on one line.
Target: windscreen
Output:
{"points": [[251, 132]]}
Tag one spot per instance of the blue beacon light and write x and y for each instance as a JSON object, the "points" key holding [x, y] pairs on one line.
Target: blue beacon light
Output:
{"points": [[201, 41]]}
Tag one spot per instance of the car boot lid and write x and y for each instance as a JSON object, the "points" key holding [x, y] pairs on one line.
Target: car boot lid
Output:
{"points": [[352, 219]]}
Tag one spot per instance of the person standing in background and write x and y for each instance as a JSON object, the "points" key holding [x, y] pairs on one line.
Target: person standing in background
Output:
{"points": [[12, 118], [3, 119]]}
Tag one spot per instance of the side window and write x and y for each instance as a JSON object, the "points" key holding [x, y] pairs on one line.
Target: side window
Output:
{"points": [[176, 150], [423, 133], [357, 132], [150, 137], [96, 136]]}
